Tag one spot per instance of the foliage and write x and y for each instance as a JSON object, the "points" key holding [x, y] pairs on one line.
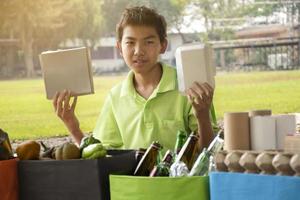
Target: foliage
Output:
{"points": [[172, 10], [40, 23], [221, 17]]}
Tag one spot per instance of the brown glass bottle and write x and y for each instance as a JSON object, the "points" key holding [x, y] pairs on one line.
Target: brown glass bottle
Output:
{"points": [[188, 152], [148, 161], [139, 154], [5, 146], [163, 168]]}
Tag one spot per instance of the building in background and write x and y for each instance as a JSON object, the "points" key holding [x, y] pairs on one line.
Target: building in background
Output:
{"points": [[106, 58]]}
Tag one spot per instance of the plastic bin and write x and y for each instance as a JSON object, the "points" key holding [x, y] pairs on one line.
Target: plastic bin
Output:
{"points": [[237, 186], [8, 180], [158, 188], [72, 179]]}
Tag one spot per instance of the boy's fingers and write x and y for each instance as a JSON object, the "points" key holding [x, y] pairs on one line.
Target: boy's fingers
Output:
{"points": [[60, 102], [202, 90], [66, 106], [67, 100], [210, 89], [54, 101], [209, 86], [196, 97], [74, 103]]}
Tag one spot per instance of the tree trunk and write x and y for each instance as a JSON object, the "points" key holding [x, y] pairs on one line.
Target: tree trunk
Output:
{"points": [[10, 64], [27, 43], [28, 57], [181, 34]]}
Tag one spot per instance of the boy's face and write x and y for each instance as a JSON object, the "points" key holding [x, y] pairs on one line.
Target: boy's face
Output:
{"points": [[141, 47]]}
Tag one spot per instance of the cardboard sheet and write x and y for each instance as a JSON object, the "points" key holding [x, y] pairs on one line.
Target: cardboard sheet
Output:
{"points": [[67, 69]]}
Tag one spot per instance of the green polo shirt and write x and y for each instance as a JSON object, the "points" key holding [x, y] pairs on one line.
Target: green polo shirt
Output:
{"points": [[128, 120]]}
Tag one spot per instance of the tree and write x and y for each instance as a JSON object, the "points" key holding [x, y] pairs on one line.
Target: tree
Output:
{"points": [[57, 20], [172, 10]]}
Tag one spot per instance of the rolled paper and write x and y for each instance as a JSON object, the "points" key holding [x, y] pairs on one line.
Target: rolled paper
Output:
{"points": [[236, 131], [254, 113], [285, 125], [263, 133]]}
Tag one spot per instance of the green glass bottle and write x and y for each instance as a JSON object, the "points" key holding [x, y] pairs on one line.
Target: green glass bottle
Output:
{"points": [[148, 161], [181, 138], [163, 168], [188, 152]]}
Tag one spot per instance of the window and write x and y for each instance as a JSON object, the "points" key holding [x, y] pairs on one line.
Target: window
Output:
{"points": [[103, 53]]}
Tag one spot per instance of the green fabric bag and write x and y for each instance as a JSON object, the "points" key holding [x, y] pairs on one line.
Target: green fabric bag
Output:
{"points": [[159, 188]]}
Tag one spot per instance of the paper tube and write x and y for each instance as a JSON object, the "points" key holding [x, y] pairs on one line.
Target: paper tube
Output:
{"points": [[236, 131], [285, 125], [263, 133], [254, 113]]}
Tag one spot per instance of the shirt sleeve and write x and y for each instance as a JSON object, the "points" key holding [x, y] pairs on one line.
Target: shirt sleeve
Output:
{"points": [[106, 129]]}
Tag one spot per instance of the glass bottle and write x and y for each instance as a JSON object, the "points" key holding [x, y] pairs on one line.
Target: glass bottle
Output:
{"points": [[181, 137], [201, 166], [163, 168], [139, 154], [148, 161], [5, 146], [188, 152]]}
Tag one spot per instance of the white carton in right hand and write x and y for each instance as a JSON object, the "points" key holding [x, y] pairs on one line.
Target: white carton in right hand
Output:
{"points": [[195, 63]]}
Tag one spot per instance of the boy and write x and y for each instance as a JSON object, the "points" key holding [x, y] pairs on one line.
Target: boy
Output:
{"points": [[146, 106]]}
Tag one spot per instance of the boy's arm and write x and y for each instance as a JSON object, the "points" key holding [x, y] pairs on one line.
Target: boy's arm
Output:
{"points": [[200, 96], [205, 129], [66, 112]]}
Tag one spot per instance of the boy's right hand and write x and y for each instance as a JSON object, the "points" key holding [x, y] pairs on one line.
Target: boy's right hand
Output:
{"points": [[65, 111]]}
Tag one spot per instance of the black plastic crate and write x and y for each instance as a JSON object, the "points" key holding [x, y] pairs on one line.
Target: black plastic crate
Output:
{"points": [[72, 179]]}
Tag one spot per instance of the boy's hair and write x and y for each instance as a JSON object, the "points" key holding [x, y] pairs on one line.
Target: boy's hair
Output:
{"points": [[144, 16]]}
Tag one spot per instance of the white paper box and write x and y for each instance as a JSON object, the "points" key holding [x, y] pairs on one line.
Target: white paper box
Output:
{"points": [[194, 63], [67, 69], [285, 125]]}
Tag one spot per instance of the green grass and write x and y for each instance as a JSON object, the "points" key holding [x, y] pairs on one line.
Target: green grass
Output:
{"points": [[25, 112]]}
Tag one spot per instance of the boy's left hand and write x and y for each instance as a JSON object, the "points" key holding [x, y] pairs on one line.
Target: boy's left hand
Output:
{"points": [[200, 96]]}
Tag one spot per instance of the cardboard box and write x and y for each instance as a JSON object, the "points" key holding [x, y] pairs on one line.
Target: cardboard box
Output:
{"points": [[292, 143], [67, 69], [240, 186], [194, 62], [72, 179]]}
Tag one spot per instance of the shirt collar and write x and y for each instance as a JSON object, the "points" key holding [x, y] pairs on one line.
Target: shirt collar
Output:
{"points": [[168, 79], [166, 83]]}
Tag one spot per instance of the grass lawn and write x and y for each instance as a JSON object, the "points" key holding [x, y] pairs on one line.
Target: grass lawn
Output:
{"points": [[25, 112]]}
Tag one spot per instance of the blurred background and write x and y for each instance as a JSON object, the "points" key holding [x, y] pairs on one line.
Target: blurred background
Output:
{"points": [[256, 45], [246, 34]]}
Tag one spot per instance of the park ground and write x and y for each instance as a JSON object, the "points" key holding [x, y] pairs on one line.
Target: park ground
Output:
{"points": [[25, 113]]}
